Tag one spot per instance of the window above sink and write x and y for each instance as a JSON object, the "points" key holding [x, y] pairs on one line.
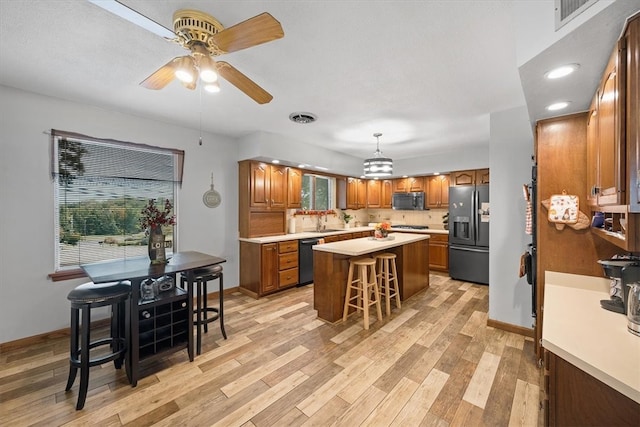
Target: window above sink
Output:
{"points": [[318, 193]]}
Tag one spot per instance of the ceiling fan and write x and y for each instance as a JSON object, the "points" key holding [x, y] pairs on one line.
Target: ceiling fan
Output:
{"points": [[205, 38]]}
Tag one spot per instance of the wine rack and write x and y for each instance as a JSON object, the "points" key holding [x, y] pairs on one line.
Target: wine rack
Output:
{"points": [[163, 323]]}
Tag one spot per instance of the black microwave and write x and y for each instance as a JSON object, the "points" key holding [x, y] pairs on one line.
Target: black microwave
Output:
{"points": [[408, 201]]}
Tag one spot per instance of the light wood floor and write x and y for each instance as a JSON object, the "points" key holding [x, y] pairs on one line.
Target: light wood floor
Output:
{"points": [[435, 362]]}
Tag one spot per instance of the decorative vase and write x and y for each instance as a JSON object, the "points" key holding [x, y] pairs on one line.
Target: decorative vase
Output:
{"points": [[157, 253], [380, 234], [346, 225]]}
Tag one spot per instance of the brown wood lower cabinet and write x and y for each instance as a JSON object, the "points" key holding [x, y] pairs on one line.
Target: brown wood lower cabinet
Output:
{"points": [[268, 267], [439, 252], [575, 398]]}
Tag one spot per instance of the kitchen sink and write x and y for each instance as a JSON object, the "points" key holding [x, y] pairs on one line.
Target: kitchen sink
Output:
{"points": [[328, 230]]}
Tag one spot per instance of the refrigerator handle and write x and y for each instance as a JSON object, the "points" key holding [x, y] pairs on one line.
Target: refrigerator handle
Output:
{"points": [[476, 203]]}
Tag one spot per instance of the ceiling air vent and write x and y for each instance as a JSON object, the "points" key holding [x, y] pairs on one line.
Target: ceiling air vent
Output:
{"points": [[302, 118], [566, 10]]}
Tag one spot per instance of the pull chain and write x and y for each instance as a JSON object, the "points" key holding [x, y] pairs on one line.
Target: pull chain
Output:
{"points": [[200, 94]]}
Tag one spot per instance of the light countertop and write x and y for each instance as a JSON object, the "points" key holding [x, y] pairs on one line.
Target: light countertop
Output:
{"points": [[591, 338], [311, 234], [366, 245]]}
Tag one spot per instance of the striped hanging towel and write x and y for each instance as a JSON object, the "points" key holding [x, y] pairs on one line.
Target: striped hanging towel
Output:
{"points": [[528, 219]]}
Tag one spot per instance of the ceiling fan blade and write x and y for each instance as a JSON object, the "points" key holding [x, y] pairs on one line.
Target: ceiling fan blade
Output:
{"points": [[260, 29], [244, 83], [161, 77], [134, 17]]}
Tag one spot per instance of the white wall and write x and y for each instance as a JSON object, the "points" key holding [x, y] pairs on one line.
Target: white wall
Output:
{"points": [[456, 160], [535, 25], [511, 149], [32, 304], [266, 146]]}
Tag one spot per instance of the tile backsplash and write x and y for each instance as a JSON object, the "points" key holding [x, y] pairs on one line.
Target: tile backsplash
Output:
{"points": [[431, 218]]}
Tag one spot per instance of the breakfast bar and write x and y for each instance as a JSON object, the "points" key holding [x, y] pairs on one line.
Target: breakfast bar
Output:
{"points": [[331, 265], [171, 312]]}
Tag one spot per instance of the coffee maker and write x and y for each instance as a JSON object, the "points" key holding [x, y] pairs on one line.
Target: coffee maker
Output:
{"points": [[631, 280], [619, 291]]}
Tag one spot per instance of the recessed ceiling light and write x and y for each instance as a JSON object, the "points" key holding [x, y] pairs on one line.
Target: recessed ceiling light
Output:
{"points": [[558, 106], [436, 173], [322, 168], [562, 71], [275, 161], [302, 166]]}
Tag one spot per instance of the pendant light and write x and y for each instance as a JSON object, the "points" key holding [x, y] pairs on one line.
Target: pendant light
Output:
{"points": [[378, 165]]}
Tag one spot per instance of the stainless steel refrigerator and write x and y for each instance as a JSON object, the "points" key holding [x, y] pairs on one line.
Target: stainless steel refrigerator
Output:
{"points": [[469, 233]]}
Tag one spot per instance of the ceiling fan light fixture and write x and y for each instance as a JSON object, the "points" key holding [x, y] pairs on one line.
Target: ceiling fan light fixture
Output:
{"points": [[208, 76], [185, 69], [378, 165], [207, 68], [212, 87]]}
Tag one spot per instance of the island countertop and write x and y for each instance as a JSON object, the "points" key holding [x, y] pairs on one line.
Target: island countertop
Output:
{"points": [[366, 245], [595, 340]]}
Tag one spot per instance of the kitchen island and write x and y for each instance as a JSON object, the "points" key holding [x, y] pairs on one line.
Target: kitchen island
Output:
{"points": [[331, 267]]}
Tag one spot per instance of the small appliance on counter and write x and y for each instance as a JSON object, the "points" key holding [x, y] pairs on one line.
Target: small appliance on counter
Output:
{"points": [[618, 292], [631, 278]]}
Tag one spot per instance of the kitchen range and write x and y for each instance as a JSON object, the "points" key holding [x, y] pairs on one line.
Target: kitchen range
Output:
{"points": [[410, 227]]}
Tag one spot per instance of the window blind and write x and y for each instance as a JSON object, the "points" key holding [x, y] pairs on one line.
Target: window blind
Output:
{"points": [[101, 187]]}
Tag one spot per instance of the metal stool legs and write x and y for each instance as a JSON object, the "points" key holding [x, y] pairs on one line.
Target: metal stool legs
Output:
{"points": [[202, 310], [83, 299]]}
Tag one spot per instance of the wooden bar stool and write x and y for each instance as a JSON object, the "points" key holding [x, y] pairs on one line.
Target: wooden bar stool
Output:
{"points": [[388, 274], [84, 298], [202, 311], [366, 287]]}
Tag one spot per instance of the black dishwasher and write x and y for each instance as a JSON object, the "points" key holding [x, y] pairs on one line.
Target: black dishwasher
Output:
{"points": [[305, 253]]}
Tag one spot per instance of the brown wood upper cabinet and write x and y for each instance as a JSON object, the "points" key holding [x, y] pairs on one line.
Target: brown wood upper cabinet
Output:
{"points": [[438, 191], [386, 188], [632, 39], [605, 148], [408, 185], [267, 186], [262, 198], [470, 177], [356, 193], [294, 185], [374, 193]]}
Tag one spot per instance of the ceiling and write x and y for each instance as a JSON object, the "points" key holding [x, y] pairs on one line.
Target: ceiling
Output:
{"points": [[426, 74]]}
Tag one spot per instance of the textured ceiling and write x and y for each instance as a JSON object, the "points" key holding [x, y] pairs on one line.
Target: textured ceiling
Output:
{"points": [[427, 74]]}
